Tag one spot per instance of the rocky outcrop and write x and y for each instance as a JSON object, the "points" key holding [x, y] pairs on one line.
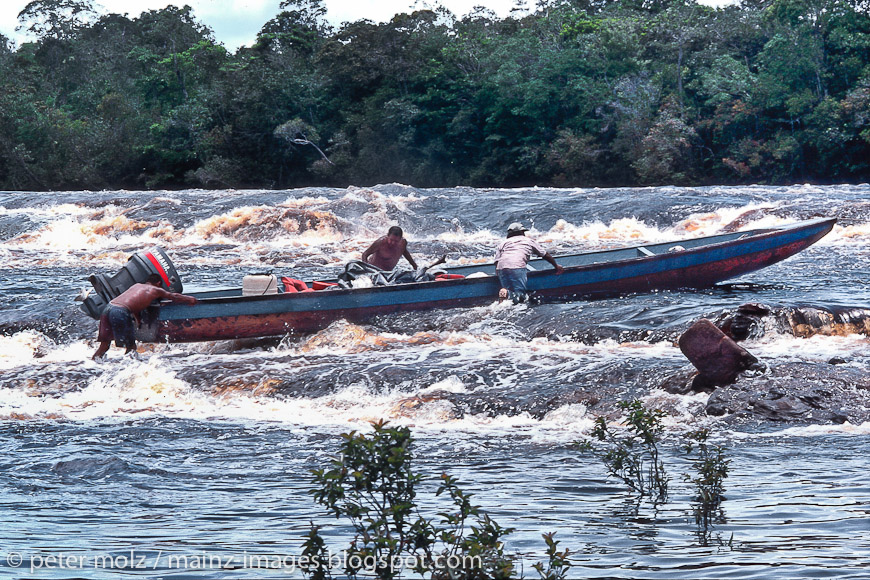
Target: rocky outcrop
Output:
{"points": [[794, 392], [752, 320], [797, 392]]}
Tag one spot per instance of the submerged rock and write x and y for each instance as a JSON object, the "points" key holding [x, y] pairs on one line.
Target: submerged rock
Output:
{"points": [[679, 383], [746, 322]]}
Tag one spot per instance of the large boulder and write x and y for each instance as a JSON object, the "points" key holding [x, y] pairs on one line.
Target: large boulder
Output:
{"points": [[717, 357]]}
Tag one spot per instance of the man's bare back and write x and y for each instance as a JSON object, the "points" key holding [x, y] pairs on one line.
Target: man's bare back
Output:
{"points": [[117, 322], [140, 296]]}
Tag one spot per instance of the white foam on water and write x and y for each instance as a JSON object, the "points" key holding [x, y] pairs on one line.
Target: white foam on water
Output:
{"points": [[258, 230], [63, 234], [47, 211], [618, 232], [628, 231], [622, 231], [20, 348], [746, 217], [304, 201], [93, 236], [850, 235], [817, 348], [269, 226], [31, 347], [71, 233], [683, 411], [846, 428], [482, 341], [135, 388], [482, 237], [564, 425], [573, 422], [130, 387], [381, 200], [451, 384], [382, 207]]}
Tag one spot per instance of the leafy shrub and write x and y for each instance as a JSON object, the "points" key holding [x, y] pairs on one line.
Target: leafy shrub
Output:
{"points": [[372, 483], [711, 468], [634, 458]]}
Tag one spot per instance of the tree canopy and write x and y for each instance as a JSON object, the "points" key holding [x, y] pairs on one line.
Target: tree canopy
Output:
{"points": [[572, 93]]}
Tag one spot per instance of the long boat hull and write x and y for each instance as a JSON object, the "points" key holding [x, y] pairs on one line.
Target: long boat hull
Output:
{"points": [[695, 263]]}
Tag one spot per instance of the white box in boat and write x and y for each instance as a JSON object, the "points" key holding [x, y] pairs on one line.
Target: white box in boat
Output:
{"points": [[259, 284]]}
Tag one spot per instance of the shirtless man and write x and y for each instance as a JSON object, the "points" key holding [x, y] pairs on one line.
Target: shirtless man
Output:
{"points": [[385, 252], [123, 311]]}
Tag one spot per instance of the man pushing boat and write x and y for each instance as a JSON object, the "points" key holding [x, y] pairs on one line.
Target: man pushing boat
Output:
{"points": [[511, 259], [121, 316]]}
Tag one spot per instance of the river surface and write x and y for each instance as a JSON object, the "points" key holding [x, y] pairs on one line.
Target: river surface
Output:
{"points": [[187, 456]]}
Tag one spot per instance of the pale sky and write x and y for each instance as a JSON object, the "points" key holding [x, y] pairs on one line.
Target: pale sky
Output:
{"points": [[236, 22]]}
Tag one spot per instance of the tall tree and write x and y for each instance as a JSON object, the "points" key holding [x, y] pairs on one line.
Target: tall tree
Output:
{"points": [[675, 33], [58, 19]]}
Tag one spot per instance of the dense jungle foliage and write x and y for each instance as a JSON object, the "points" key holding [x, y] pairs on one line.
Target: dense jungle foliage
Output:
{"points": [[570, 93]]}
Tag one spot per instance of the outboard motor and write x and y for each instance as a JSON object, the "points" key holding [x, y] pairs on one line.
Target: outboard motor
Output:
{"points": [[137, 270]]}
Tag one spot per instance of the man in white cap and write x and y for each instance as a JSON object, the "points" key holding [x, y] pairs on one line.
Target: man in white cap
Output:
{"points": [[511, 259]]}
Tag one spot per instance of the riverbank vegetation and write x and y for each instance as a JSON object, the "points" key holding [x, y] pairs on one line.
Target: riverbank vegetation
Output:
{"points": [[567, 93]]}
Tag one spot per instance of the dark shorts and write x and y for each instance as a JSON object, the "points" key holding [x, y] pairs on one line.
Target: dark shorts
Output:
{"points": [[118, 323]]}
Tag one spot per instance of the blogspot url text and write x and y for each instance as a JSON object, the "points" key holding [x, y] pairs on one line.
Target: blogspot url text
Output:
{"points": [[158, 560]]}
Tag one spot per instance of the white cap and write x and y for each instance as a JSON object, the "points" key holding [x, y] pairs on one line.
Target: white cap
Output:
{"points": [[517, 227]]}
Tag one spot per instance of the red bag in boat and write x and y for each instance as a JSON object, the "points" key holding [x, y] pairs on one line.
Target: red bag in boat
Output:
{"points": [[294, 285]]}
